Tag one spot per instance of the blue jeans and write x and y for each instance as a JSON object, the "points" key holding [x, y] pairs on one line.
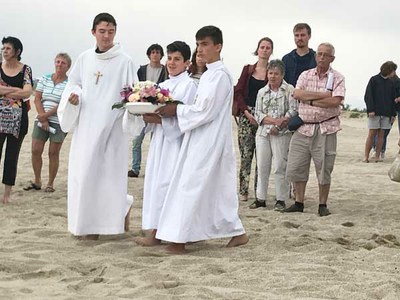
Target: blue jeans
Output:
{"points": [[385, 135], [137, 152]]}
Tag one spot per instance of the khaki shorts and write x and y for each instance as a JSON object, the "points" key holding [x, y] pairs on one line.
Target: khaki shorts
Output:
{"points": [[321, 148], [40, 134]]}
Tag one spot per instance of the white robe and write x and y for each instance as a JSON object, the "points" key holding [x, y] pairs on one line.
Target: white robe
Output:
{"points": [[97, 180], [163, 152], [201, 202]]}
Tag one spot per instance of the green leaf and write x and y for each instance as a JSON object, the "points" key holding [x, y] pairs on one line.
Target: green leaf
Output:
{"points": [[118, 105]]}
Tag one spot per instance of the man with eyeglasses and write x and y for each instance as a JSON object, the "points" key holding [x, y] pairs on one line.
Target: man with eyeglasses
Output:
{"points": [[321, 92]]}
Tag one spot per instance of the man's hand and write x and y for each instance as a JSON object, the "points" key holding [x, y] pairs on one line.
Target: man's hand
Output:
{"points": [[168, 110], [152, 118], [371, 114], [73, 99]]}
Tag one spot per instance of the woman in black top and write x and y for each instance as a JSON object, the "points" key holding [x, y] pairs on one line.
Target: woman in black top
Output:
{"points": [[252, 78], [15, 86]]}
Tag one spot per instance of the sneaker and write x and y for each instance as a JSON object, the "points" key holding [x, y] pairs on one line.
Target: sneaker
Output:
{"points": [[293, 208], [382, 155], [132, 173], [279, 205], [257, 204], [323, 211]]}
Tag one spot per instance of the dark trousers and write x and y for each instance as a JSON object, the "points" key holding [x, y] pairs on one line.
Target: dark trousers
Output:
{"points": [[13, 147]]}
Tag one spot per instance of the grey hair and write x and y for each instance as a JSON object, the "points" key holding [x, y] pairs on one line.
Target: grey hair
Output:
{"points": [[329, 45], [66, 57], [276, 64]]}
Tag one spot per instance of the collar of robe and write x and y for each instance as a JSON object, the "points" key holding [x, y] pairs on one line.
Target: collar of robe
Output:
{"points": [[111, 53], [214, 65]]}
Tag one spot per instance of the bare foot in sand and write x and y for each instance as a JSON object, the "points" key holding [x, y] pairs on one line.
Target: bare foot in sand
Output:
{"points": [[127, 220], [88, 237], [7, 194], [176, 248], [147, 241], [238, 240], [6, 199]]}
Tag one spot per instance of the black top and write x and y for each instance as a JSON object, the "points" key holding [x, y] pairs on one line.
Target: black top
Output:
{"points": [[19, 80], [254, 86], [296, 64], [379, 96]]}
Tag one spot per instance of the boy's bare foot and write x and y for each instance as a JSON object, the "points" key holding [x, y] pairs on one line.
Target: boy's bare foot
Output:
{"points": [[238, 240], [148, 241], [6, 199], [176, 248], [88, 237], [127, 220]]}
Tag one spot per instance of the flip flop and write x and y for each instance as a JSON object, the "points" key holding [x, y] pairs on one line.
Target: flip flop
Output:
{"points": [[32, 186], [49, 189]]}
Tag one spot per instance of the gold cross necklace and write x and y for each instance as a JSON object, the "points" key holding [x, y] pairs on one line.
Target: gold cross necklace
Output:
{"points": [[99, 74]]}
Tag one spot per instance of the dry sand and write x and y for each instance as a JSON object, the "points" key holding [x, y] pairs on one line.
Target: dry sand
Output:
{"points": [[352, 254]]}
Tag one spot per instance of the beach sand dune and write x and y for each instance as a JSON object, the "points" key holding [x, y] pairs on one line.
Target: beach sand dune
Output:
{"points": [[352, 254]]}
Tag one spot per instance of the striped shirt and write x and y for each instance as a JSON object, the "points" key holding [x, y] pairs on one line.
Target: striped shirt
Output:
{"points": [[310, 81], [51, 94]]}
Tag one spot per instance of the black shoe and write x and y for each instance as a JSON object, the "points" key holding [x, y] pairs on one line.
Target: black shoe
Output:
{"points": [[293, 208], [257, 204], [279, 205], [323, 211], [132, 173]]}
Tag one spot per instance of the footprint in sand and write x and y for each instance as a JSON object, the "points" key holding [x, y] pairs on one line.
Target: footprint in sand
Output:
{"points": [[348, 224], [288, 224]]}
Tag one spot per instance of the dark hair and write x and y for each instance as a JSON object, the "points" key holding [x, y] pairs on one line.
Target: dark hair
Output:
{"points": [[387, 68], [103, 17], [155, 47], [266, 39], [181, 47], [16, 44], [212, 32], [193, 69], [300, 26]]}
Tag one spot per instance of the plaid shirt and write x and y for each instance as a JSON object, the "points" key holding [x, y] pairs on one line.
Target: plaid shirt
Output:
{"points": [[310, 81], [282, 105]]}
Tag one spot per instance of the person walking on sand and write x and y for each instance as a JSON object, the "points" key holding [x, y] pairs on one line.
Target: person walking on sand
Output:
{"points": [[201, 202], [97, 181]]}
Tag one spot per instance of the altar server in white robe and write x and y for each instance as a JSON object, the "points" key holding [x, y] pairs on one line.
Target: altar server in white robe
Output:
{"points": [[97, 182], [201, 202], [166, 141]]}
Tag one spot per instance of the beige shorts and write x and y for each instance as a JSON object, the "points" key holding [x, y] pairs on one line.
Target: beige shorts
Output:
{"points": [[321, 148]]}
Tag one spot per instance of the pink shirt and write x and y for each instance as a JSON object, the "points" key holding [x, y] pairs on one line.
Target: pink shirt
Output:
{"points": [[310, 81]]}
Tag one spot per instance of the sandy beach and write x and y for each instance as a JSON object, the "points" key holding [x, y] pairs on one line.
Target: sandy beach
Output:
{"points": [[352, 254]]}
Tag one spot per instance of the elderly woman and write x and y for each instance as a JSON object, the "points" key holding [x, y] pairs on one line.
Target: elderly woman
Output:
{"points": [[252, 78], [15, 86], [47, 127], [274, 106]]}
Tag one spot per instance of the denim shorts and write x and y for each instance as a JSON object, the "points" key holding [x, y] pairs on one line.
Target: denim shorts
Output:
{"points": [[40, 134]]}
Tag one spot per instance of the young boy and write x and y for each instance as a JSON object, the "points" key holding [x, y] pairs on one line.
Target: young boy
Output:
{"points": [[166, 141], [201, 202]]}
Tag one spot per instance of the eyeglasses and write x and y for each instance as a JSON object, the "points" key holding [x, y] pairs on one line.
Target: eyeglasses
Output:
{"points": [[322, 54]]}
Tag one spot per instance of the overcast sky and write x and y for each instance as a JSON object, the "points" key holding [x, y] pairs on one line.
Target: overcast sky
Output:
{"points": [[364, 33]]}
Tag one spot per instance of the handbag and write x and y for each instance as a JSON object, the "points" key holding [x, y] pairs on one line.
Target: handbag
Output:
{"points": [[295, 122], [394, 171]]}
